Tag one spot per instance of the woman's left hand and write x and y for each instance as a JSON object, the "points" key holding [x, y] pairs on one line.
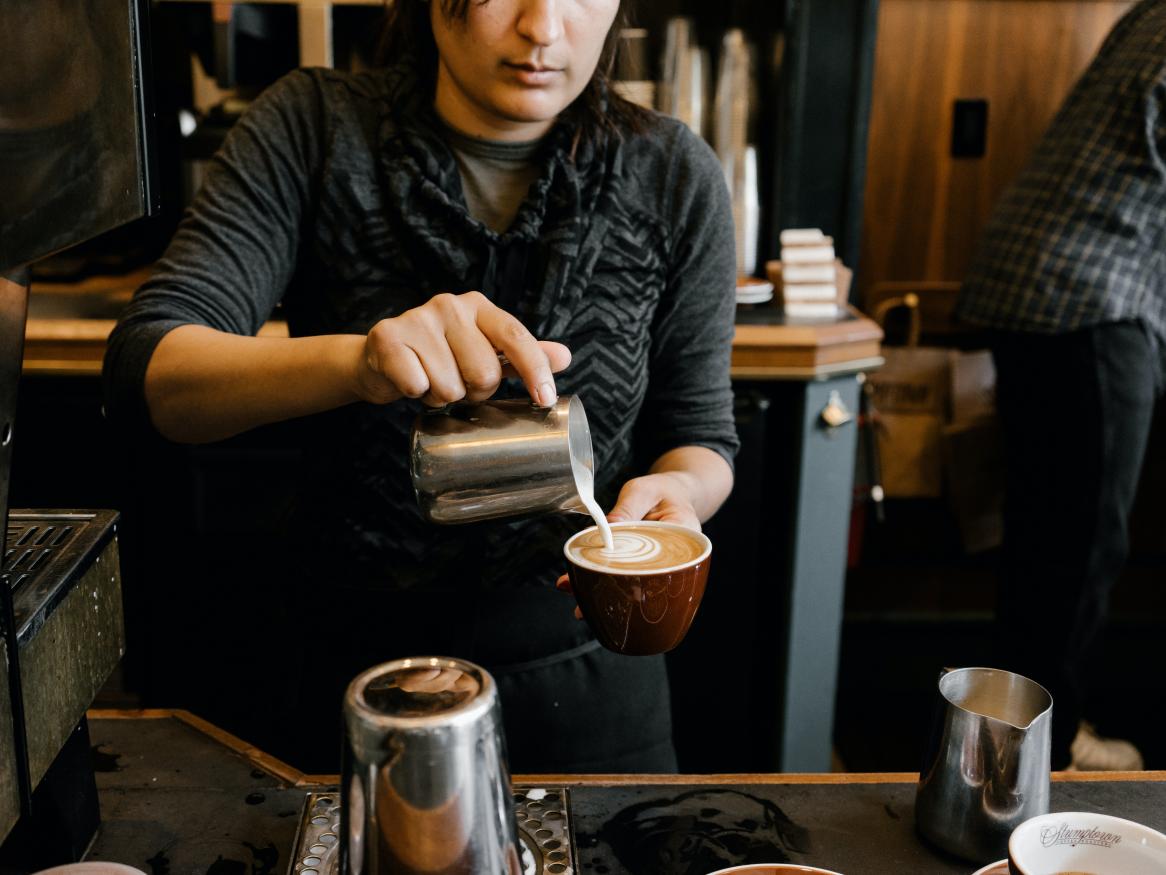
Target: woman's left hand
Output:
{"points": [[666, 496]]}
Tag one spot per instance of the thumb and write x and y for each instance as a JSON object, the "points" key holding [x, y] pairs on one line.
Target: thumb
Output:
{"points": [[633, 503]]}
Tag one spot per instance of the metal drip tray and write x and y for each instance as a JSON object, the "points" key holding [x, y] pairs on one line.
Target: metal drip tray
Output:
{"points": [[544, 830], [46, 553]]}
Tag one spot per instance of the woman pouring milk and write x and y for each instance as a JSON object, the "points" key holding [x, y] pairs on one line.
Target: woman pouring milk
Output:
{"points": [[483, 192]]}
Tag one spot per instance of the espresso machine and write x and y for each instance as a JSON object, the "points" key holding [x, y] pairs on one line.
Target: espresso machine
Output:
{"points": [[61, 635], [77, 160]]}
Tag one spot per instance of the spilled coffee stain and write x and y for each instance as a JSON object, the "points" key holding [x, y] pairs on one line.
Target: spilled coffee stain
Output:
{"points": [[701, 831], [255, 799], [104, 761], [159, 863], [890, 811]]}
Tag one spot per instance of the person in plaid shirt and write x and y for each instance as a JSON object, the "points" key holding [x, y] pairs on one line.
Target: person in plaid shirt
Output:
{"points": [[1070, 280]]}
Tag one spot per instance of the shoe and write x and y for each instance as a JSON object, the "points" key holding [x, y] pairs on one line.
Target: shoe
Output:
{"points": [[1092, 753]]}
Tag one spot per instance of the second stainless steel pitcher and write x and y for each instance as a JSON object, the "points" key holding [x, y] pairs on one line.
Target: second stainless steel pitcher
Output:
{"points": [[986, 768]]}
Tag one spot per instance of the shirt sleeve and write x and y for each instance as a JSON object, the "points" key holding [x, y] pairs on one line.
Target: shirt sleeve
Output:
{"points": [[236, 249], [690, 398]]}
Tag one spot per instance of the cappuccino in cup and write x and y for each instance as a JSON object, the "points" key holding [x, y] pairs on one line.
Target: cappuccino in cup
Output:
{"points": [[638, 548], [639, 595]]}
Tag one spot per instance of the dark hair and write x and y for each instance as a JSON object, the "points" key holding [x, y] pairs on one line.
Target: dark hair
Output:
{"points": [[597, 111]]}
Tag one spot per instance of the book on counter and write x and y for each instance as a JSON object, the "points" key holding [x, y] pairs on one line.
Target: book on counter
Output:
{"points": [[820, 253], [812, 309], [802, 237], [809, 273], [809, 292]]}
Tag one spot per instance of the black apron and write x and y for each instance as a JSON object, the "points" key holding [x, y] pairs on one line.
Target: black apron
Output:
{"points": [[574, 707]]}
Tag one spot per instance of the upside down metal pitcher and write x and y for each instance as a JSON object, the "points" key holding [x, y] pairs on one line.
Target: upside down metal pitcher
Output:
{"points": [[425, 786], [986, 767]]}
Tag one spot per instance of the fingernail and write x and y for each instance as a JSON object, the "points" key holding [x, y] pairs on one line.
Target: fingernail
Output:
{"points": [[547, 395]]}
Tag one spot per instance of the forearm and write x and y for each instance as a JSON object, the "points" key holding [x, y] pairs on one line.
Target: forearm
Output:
{"points": [[705, 475], [205, 385]]}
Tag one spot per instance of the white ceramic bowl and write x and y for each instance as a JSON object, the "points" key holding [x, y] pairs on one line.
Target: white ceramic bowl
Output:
{"points": [[1000, 867], [1080, 841], [773, 869]]}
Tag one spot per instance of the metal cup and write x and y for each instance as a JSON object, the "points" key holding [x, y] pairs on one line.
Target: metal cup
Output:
{"points": [[479, 461], [425, 786], [986, 768]]}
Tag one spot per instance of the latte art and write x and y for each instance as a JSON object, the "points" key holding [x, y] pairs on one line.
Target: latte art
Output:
{"points": [[638, 548], [630, 547]]}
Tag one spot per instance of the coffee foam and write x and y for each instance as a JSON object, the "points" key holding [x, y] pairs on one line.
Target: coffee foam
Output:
{"points": [[637, 548]]}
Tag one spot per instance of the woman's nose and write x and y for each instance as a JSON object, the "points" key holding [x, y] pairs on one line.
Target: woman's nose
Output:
{"points": [[541, 21]]}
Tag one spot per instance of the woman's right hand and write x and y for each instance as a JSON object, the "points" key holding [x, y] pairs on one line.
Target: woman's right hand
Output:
{"points": [[448, 350]]}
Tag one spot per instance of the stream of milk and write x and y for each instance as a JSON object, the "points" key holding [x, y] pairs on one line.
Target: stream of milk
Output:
{"points": [[585, 481]]}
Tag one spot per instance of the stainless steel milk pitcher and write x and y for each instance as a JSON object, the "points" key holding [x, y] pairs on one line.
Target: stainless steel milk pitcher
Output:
{"points": [[425, 785], [986, 768], [476, 461]]}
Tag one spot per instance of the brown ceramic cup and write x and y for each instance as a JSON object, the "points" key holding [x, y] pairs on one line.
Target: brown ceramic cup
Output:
{"points": [[640, 612]]}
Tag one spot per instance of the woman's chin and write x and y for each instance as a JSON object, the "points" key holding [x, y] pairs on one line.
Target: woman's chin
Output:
{"points": [[532, 108]]}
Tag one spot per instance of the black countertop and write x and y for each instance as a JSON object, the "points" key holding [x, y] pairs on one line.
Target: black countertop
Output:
{"points": [[178, 798]]}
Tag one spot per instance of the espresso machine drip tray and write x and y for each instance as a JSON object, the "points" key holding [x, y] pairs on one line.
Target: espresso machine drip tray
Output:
{"points": [[544, 831]]}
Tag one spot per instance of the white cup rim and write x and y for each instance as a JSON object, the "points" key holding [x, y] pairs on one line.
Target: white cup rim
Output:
{"points": [[633, 572], [1094, 818]]}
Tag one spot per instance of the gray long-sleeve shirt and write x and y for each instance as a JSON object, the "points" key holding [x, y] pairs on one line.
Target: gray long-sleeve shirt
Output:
{"points": [[337, 195]]}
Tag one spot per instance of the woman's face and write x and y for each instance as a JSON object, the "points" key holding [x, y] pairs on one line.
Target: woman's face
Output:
{"points": [[511, 66]]}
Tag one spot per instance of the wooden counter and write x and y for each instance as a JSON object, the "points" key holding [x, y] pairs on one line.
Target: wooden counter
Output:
{"points": [[68, 325], [179, 795]]}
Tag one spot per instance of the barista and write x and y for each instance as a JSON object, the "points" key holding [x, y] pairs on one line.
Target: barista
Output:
{"points": [[483, 192]]}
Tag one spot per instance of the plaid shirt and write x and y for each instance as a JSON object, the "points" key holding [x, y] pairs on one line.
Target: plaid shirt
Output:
{"points": [[1079, 239]]}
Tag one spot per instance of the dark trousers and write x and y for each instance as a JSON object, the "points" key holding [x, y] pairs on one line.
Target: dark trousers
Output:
{"points": [[1076, 411]]}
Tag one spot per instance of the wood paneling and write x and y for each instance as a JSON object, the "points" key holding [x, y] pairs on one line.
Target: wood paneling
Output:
{"points": [[924, 209]]}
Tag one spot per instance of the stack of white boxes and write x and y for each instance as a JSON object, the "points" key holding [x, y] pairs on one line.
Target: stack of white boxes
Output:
{"points": [[809, 276]]}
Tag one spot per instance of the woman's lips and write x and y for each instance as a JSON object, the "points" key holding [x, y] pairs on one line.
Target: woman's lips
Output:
{"points": [[532, 75]]}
